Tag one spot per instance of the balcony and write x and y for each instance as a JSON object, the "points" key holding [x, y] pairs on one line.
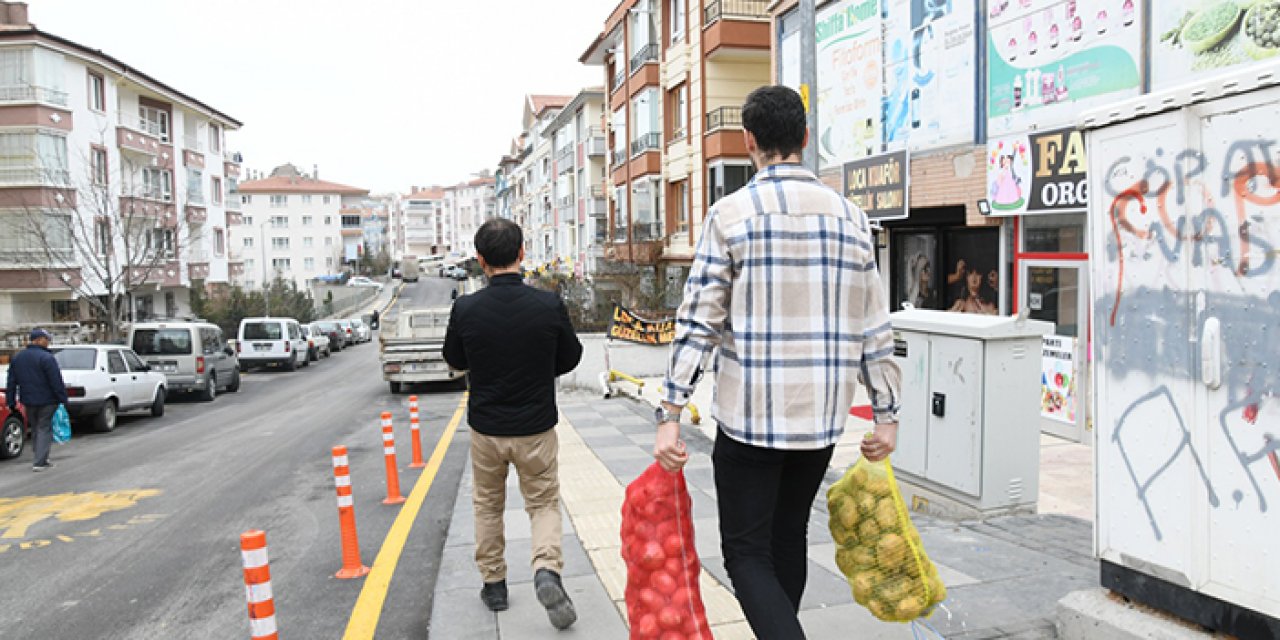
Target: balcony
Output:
{"points": [[646, 54], [619, 79], [149, 205], [30, 93], [231, 163], [193, 143], [195, 198], [646, 142], [163, 271], [193, 159], [724, 118], [748, 9], [196, 215], [596, 206], [595, 144], [231, 202], [234, 218], [235, 268], [34, 176], [735, 24], [138, 142], [564, 160], [197, 265], [646, 232], [619, 158]]}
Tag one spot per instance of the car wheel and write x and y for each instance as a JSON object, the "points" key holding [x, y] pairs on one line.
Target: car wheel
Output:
{"points": [[157, 405], [105, 421], [210, 388], [244, 368], [395, 387], [235, 383], [312, 355], [291, 364], [12, 440]]}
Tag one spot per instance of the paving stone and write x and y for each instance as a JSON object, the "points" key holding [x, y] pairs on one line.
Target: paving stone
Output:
{"points": [[520, 558], [595, 431], [1003, 604], [459, 613], [645, 440], [527, 619], [825, 588], [628, 452], [850, 621], [614, 439], [627, 470]]}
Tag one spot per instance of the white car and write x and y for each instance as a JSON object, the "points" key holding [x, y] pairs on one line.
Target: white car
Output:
{"points": [[103, 380], [271, 341], [361, 330], [361, 281], [317, 340]]}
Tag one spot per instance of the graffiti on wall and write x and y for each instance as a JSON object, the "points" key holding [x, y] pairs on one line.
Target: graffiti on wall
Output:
{"points": [[1192, 239]]}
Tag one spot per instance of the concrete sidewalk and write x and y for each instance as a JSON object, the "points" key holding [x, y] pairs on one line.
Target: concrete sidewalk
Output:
{"points": [[1004, 576]]}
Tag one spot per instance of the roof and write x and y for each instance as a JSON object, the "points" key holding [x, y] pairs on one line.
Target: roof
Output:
{"points": [[434, 193], [565, 117], [282, 184], [540, 103], [120, 67]]}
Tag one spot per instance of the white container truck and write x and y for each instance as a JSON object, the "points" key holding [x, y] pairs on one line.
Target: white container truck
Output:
{"points": [[1184, 225]]}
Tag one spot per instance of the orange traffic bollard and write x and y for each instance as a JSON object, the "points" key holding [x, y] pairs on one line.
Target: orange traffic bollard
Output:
{"points": [[257, 586], [389, 451], [414, 434], [351, 565]]}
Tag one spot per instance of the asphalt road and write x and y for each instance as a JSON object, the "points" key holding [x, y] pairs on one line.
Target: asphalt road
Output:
{"points": [[135, 534]]}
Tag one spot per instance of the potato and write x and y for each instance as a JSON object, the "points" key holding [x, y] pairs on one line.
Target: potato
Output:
{"points": [[864, 556], [893, 590], [937, 590], [848, 514], [858, 476], [878, 487], [845, 560], [879, 609], [844, 536], [909, 608], [868, 530], [886, 514], [866, 504], [863, 584], [891, 551]]}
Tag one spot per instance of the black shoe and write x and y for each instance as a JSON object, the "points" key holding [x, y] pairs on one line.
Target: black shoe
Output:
{"points": [[494, 595], [552, 595], [41, 467]]}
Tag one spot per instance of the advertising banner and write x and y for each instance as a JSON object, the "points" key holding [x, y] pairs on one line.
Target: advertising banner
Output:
{"points": [[930, 67], [850, 81], [1048, 59], [1058, 379], [878, 185], [1037, 173], [1196, 38], [625, 325]]}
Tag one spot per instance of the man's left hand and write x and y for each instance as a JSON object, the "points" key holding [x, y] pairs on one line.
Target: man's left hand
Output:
{"points": [[880, 443]]}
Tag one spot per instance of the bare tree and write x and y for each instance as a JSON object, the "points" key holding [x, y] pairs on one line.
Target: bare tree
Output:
{"points": [[110, 232]]}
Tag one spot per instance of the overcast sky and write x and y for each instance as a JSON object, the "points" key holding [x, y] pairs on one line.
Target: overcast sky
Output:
{"points": [[381, 94]]}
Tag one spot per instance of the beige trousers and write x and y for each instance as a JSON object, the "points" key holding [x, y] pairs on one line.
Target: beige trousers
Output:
{"points": [[536, 461]]}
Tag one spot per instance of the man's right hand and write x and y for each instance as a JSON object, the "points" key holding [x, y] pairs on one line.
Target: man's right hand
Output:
{"points": [[668, 448]]}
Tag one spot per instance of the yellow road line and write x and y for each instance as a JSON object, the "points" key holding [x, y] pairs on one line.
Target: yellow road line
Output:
{"points": [[364, 617]]}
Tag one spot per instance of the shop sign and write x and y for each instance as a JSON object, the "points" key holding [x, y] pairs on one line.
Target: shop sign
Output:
{"points": [[1038, 173], [1058, 379], [879, 185], [625, 325]]}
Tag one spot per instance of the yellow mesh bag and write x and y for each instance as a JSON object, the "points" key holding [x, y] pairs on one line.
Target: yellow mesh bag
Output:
{"points": [[877, 548]]}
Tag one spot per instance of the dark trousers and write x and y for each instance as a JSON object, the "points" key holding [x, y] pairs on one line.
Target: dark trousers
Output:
{"points": [[41, 417], [764, 496]]}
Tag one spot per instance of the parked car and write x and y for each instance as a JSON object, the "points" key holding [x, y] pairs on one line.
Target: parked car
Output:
{"points": [[336, 334], [349, 330], [317, 343], [271, 341], [105, 379], [193, 356], [361, 330], [361, 281], [14, 430]]}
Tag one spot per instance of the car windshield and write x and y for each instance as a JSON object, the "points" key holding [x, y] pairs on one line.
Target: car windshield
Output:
{"points": [[355, 323], [162, 342], [263, 331], [76, 359]]}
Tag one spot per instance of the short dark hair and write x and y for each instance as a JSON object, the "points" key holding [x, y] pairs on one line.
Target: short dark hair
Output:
{"points": [[775, 116], [498, 241]]}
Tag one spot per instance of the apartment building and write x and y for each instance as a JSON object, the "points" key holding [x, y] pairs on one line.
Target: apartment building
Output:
{"points": [[532, 207], [297, 226], [579, 217], [468, 205], [111, 183], [424, 223], [677, 73]]}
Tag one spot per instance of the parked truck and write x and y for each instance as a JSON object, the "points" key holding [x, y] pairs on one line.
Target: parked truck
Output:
{"points": [[1184, 220], [413, 348]]}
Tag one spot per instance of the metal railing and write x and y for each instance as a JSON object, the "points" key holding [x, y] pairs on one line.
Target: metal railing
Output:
{"points": [[32, 93], [596, 145], [149, 127], [646, 231], [597, 191], [724, 118], [647, 53], [646, 142], [619, 157], [619, 78], [717, 9]]}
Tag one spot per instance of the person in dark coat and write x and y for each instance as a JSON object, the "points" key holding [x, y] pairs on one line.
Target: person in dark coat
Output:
{"points": [[35, 380], [514, 340]]}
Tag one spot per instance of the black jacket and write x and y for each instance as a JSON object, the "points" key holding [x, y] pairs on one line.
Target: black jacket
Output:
{"points": [[515, 340], [35, 378]]}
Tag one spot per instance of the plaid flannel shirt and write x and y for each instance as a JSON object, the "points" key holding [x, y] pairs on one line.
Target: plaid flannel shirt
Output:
{"points": [[784, 282]]}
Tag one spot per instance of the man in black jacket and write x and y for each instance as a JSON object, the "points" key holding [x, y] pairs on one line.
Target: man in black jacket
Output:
{"points": [[35, 380], [514, 340]]}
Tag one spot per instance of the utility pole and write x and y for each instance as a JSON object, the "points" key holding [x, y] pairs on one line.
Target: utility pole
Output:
{"points": [[809, 77]]}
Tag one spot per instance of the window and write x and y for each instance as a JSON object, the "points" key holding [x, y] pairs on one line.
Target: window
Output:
{"points": [[248, 221], [217, 190], [219, 242], [677, 102], [279, 222], [249, 267], [306, 198], [350, 221], [280, 264], [620, 214], [328, 220], [328, 262], [115, 362], [97, 92], [309, 263], [246, 199], [279, 201], [645, 128], [64, 310], [102, 236], [33, 158], [724, 179], [215, 138], [326, 199], [678, 18], [154, 121], [157, 184], [308, 241], [328, 242], [645, 225], [306, 221], [195, 186], [98, 165], [160, 243], [280, 243], [248, 243], [680, 202]]}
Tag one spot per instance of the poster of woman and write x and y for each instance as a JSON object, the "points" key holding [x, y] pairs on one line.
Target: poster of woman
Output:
{"points": [[1009, 169]]}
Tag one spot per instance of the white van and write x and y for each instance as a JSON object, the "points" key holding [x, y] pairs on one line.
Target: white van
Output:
{"points": [[192, 356], [271, 341]]}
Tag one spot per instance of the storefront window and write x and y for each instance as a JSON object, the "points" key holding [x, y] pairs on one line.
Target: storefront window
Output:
{"points": [[973, 274], [1053, 233], [946, 269], [917, 275]]}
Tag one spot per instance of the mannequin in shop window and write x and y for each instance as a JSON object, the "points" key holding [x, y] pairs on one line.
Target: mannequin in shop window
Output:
{"points": [[920, 283], [973, 298]]}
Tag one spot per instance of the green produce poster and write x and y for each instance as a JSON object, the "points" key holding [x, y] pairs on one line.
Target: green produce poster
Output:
{"points": [[1192, 39]]}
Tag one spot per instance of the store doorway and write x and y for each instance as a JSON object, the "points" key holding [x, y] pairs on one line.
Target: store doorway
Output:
{"points": [[1057, 291]]}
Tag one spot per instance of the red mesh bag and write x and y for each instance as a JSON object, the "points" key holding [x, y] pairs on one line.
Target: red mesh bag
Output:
{"points": [[664, 601]]}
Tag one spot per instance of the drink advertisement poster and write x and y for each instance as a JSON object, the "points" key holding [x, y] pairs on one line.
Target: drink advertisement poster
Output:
{"points": [[1197, 38], [930, 66], [1048, 59], [850, 74]]}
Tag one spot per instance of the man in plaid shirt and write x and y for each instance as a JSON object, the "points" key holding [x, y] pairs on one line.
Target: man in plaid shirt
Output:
{"points": [[785, 283]]}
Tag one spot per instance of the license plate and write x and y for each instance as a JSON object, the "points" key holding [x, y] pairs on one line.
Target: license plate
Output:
{"points": [[423, 367], [169, 368], [261, 347]]}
